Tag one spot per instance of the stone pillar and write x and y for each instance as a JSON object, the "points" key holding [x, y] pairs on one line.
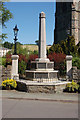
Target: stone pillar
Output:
{"points": [[69, 66], [14, 72], [42, 38]]}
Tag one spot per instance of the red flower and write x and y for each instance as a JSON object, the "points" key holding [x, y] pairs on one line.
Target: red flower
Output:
{"points": [[22, 57], [33, 57], [57, 57]]}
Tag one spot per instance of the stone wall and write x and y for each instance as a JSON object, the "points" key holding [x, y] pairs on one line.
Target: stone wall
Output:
{"points": [[33, 47], [6, 72], [76, 73], [67, 19]]}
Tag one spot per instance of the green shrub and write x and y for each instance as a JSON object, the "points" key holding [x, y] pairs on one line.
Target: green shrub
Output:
{"points": [[4, 61], [22, 67], [72, 87], [76, 62], [22, 62], [0, 61]]}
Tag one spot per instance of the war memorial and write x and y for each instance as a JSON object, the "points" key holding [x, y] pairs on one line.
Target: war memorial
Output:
{"points": [[41, 77], [42, 69]]}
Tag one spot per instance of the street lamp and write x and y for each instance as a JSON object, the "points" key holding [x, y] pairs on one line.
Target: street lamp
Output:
{"points": [[15, 39]]}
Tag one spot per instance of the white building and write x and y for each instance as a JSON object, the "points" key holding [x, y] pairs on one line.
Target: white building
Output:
{"points": [[3, 51]]}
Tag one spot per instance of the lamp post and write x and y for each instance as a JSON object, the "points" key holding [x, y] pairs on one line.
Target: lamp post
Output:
{"points": [[15, 39], [15, 57]]}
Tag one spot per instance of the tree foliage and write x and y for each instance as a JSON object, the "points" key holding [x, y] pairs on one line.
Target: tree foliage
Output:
{"points": [[5, 16], [69, 46], [8, 45], [56, 48], [20, 49], [22, 64], [76, 62], [37, 42], [66, 46]]}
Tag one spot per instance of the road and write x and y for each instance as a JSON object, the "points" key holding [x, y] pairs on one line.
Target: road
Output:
{"points": [[22, 108]]}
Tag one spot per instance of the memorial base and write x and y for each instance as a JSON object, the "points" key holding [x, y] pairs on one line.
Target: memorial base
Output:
{"points": [[42, 60], [42, 72], [36, 65], [42, 76]]}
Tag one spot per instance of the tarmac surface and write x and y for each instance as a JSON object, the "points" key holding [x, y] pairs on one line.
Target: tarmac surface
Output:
{"points": [[13, 94], [17, 104]]}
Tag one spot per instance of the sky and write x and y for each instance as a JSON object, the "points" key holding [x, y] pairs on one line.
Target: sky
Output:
{"points": [[26, 16]]}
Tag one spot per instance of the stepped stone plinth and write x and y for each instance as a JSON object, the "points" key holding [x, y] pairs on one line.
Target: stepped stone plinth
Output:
{"points": [[42, 69], [36, 65]]}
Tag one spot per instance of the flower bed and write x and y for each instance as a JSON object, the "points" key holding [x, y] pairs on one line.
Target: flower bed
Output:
{"points": [[9, 84], [72, 87]]}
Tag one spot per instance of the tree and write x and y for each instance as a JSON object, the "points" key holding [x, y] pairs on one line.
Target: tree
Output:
{"points": [[8, 45], [66, 46], [6, 15], [20, 49], [70, 45], [56, 48], [37, 42]]}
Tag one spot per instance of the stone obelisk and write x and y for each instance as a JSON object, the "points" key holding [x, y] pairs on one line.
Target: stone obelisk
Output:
{"points": [[42, 39], [42, 69]]}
